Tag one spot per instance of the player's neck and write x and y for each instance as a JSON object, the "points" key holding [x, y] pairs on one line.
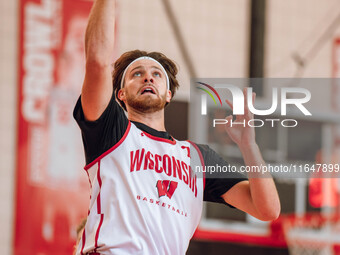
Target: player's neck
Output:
{"points": [[154, 120]]}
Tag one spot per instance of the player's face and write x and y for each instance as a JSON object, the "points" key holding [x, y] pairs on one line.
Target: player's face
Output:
{"points": [[145, 87]]}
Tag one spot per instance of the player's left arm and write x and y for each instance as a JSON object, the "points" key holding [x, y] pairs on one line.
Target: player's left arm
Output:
{"points": [[257, 196]]}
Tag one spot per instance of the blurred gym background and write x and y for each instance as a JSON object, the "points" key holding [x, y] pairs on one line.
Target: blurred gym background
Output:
{"points": [[44, 192]]}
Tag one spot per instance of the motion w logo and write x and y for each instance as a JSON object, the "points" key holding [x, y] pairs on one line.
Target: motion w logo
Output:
{"points": [[166, 188]]}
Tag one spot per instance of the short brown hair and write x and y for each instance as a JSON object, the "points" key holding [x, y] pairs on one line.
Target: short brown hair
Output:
{"points": [[126, 58]]}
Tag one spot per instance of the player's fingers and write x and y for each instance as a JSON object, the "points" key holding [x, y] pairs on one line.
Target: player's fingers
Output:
{"points": [[245, 96], [249, 113], [229, 103], [229, 119], [239, 118]]}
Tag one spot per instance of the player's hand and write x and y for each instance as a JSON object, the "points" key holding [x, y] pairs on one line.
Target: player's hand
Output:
{"points": [[242, 135]]}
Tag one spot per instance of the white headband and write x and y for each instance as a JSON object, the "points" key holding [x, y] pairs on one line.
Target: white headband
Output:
{"points": [[145, 57]]}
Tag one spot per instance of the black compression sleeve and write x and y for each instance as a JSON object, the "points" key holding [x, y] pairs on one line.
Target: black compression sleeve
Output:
{"points": [[216, 184]]}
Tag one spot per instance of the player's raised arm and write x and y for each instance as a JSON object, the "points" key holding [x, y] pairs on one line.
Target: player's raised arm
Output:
{"points": [[99, 45], [258, 196]]}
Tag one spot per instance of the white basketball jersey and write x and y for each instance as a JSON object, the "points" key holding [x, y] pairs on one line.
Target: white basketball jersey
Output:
{"points": [[145, 199]]}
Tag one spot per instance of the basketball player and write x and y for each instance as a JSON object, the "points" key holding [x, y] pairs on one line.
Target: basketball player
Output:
{"points": [[145, 197]]}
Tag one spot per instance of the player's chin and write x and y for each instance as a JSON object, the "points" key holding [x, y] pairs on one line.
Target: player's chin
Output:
{"points": [[154, 105], [148, 104]]}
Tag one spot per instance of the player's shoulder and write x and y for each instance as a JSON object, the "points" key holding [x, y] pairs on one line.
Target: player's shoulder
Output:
{"points": [[203, 148], [209, 155], [191, 143]]}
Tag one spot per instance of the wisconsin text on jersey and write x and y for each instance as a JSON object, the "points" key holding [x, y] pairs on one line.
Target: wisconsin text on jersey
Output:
{"points": [[170, 165]]}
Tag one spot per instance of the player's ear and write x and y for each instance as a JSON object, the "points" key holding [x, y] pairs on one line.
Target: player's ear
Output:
{"points": [[168, 96], [121, 94]]}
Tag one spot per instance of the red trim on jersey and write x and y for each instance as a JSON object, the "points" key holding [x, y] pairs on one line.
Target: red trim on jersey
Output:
{"points": [[100, 186], [111, 149], [98, 229], [88, 213], [201, 158], [83, 243], [88, 176], [99, 209], [160, 139]]}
